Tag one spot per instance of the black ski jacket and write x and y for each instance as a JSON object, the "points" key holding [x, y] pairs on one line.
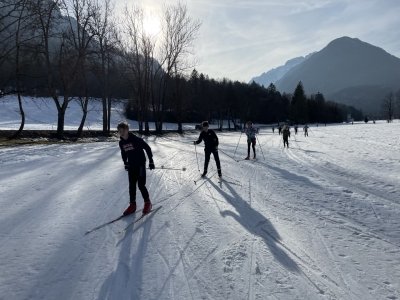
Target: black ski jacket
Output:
{"points": [[210, 140], [132, 151]]}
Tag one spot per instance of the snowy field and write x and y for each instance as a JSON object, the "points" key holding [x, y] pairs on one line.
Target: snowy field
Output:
{"points": [[317, 221], [41, 114]]}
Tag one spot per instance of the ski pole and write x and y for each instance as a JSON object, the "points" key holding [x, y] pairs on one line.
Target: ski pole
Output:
{"points": [[260, 148], [197, 159], [234, 154], [166, 168], [228, 155]]}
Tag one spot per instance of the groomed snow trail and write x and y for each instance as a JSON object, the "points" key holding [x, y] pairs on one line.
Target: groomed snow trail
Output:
{"points": [[316, 221]]}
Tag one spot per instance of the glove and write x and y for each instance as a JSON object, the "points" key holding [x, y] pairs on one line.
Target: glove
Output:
{"points": [[126, 167], [151, 165]]}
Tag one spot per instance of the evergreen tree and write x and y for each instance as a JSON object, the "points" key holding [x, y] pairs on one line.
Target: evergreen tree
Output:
{"points": [[299, 113]]}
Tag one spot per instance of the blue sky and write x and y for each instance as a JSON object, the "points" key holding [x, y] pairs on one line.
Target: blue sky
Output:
{"points": [[240, 39]]}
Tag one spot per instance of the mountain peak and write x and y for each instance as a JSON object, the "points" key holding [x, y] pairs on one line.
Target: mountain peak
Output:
{"points": [[347, 42], [345, 39], [345, 64]]}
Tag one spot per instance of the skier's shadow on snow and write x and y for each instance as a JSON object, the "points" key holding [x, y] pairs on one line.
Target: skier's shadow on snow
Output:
{"points": [[257, 224], [127, 279]]}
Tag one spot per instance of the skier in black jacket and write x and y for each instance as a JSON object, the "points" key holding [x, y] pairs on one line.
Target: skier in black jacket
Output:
{"points": [[135, 163], [210, 146]]}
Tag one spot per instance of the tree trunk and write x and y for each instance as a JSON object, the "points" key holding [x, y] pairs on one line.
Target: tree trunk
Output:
{"points": [[21, 110], [84, 110], [109, 116], [60, 124], [61, 118], [105, 113]]}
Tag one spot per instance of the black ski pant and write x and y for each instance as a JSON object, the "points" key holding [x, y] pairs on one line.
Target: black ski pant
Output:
{"points": [[207, 153], [253, 143], [286, 142], [137, 175]]}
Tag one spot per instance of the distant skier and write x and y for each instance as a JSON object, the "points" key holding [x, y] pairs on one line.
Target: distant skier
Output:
{"points": [[280, 129], [251, 139], [296, 129], [286, 135], [273, 129], [135, 163], [305, 130], [210, 146]]}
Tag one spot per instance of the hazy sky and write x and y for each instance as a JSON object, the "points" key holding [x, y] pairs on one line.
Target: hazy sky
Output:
{"points": [[240, 39]]}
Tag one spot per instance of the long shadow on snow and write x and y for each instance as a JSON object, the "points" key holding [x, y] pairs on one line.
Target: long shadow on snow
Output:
{"points": [[46, 198], [126, 282], [289, 176], [255, 223]]}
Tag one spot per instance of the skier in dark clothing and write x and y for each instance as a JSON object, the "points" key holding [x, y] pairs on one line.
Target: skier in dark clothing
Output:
{"points": [[286, 135], [210, 146], [295, 129], [135, 163], [251, 132], [280, 129], [305, 130]]}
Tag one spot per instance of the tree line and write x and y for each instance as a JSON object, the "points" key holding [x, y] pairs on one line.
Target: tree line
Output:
{"points": [[199, 97]]}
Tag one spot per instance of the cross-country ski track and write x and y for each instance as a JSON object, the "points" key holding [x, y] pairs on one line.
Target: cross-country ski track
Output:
{"points": [[319, 220]]}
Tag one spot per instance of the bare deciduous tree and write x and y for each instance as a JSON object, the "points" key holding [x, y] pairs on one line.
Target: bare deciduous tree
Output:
{"points": [[106, 36], [18, 44], [65, 38], [17, 23], [139, 55], [46, 17], [179, 31], [388, 106], [74, 53]]}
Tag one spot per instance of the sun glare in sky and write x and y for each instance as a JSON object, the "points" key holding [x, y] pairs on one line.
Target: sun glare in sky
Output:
{"points": [[151, 24]]}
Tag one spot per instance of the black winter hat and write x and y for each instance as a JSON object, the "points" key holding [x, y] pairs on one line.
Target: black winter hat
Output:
{"points": [[205, 124]]}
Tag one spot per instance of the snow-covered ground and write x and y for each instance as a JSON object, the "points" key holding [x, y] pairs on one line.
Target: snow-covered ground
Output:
{"points": [[41, 114], [317, 221]]}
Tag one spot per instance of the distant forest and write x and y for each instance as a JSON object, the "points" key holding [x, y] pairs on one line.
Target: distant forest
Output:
{"points": [[199, 98], [70, 49]]}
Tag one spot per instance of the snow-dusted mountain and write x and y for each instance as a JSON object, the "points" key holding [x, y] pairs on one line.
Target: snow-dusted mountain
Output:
{"points": [[347, 70], [344, 62], [273, 75]]}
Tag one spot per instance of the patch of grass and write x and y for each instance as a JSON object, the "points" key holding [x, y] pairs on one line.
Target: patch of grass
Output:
{"points": [[47, 137]]}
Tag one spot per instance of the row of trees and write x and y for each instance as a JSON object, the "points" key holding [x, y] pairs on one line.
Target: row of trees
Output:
{"points": [[76, 49], [200, 98]]}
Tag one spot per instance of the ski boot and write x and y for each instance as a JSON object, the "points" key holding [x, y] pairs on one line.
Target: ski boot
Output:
{"points": [[147, 207], [131, 209]]}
